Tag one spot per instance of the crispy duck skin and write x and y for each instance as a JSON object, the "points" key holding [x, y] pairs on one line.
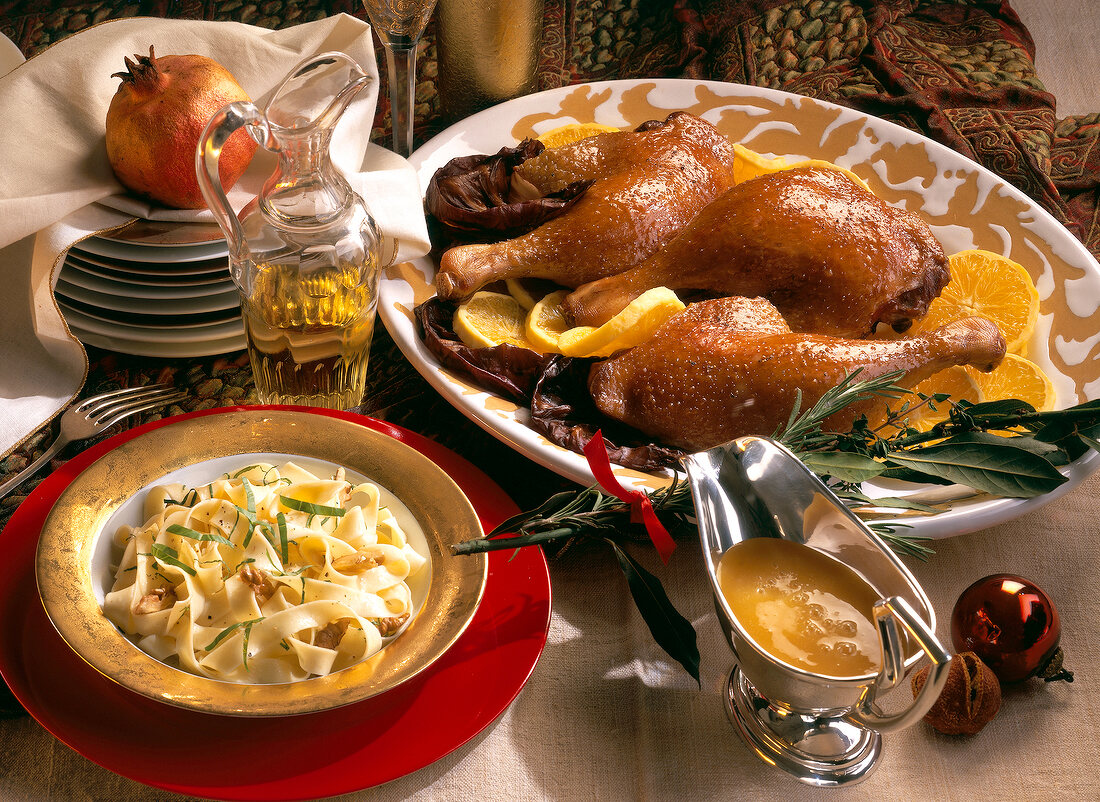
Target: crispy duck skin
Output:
{"points": [[648, 184], [731, 366], [833, 258]]}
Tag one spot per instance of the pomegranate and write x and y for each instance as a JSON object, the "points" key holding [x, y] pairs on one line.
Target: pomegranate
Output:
{"points": [[156, 118]]}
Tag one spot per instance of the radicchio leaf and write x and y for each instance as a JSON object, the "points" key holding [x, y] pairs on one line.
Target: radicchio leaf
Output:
{"points": [[506, 370], [563, 412], [476, 195], [562, 409]]}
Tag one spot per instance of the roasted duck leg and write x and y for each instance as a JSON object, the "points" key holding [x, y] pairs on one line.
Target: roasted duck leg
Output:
{"points": [[831, 256], [730, 367], [648, 185]]}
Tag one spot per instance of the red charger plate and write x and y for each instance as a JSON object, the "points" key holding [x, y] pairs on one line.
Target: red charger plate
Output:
{"points": [[308, 756]]}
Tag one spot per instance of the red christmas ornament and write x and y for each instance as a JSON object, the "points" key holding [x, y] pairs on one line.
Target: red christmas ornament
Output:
{"points": [[1013, 626]]}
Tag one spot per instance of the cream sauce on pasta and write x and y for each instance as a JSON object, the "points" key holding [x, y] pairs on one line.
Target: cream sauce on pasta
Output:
{"points": [[271, 574]]}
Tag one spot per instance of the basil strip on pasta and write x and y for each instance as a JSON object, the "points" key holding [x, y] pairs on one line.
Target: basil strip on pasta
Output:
{"points": [[249, 513], [225, 633], [268, 530], [183, 531], [190, 499], [283, 545], [169, 556], [250, 498], [310, 508]]}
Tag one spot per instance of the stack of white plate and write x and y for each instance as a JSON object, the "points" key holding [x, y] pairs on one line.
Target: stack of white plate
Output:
{"points": [[153, 291]]}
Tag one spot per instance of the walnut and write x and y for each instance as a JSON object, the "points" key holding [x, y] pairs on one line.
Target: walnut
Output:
{"points": [[156, 600], [359, 561], [970, 698], [389, 626], [259, 582], [329, 636]]}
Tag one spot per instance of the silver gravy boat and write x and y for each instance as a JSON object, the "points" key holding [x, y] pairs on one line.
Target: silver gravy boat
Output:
{"points": [[826, 731]]}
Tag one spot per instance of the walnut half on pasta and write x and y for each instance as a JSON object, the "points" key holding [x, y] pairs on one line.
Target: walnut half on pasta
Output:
{"points": [[269, 575]]}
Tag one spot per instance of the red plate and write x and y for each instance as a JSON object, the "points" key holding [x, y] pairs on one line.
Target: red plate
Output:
{"points": [[309, 756]]}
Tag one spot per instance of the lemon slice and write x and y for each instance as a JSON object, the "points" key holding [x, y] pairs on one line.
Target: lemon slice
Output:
{"points": [[529, 291], [634, 325], [573, 132], [1017, 377], [750, 164], [546, 322], [990, 286], [957, 382], [519, 290], [491, 318]]}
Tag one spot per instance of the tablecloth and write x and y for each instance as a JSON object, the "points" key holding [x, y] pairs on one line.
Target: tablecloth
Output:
{"points": [[605, 714]]}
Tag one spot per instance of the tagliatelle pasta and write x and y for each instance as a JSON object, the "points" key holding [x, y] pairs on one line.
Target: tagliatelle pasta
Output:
{"points": [[270, 575]]}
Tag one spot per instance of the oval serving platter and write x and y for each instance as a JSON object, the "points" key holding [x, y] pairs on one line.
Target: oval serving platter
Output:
{"points": [[966, 206]]}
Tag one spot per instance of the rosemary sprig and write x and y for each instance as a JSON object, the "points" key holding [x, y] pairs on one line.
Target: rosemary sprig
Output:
{"points": [[586, 513], [803, 429], [594, 514]]}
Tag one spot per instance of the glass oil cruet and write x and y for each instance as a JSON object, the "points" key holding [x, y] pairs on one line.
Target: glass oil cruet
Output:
{"points": [[304, 254]]}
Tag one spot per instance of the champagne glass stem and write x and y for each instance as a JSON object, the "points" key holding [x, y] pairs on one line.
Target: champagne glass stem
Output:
{"points": [[399, 25], [401, 65]]}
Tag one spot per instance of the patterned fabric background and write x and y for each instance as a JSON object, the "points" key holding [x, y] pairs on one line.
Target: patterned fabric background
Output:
{"points": [[961, 73]]}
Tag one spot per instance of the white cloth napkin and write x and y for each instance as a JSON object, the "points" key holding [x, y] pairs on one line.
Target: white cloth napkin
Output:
{"points": [[57, 187]]}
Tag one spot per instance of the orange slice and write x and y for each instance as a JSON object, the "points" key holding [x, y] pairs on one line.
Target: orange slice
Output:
{"points": [[990, 286], [750, 164], [491, 318], [634, 325], [573, 132], [956, 382], [1017, 377]]}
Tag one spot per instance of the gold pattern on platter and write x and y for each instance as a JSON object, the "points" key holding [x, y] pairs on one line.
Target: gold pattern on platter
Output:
{"points": [[401, 309], [496, 404], [421, 285]]}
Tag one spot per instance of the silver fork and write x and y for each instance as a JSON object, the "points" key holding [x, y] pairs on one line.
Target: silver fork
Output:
{"points": [[94, 415]]}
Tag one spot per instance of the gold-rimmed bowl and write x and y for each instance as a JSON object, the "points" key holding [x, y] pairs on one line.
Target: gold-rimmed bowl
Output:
{"points": [[73, 564]]}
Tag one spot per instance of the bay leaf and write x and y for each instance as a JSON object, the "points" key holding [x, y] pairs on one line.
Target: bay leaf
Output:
{"points": [[904, 474], [670, 630], [996, 468], [1048, 451], [845, 466], [890, 502]]}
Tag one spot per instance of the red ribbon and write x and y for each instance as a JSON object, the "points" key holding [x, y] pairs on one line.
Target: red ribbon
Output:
{"points": [[641, 508]]}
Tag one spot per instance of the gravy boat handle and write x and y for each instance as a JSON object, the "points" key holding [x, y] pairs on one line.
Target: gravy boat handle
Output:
{"points": [[887, 612]]}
